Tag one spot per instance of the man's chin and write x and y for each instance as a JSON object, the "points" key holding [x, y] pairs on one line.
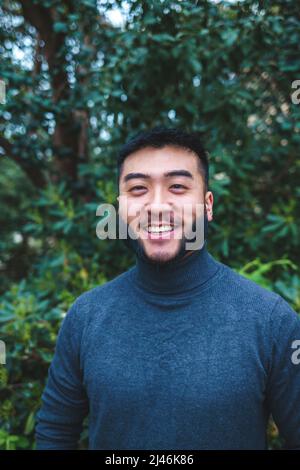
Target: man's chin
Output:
{"points": [[161, 256]]}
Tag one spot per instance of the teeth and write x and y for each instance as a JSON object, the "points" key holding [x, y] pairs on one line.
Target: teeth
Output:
{"points": [[163, 228]]}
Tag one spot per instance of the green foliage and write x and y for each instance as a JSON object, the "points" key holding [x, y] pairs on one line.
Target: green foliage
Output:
{"points": [[223, 69], [261, 273]]}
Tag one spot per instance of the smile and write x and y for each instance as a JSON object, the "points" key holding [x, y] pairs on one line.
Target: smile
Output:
{"points": [[159, 229], [159, 233]]}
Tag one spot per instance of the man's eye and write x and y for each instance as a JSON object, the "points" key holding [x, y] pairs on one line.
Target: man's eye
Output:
{"points": [[178, 186], [137, 188]]}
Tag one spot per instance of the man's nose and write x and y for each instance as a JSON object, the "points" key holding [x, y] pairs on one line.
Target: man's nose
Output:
{"points": [[157, 196], [158, 205]]}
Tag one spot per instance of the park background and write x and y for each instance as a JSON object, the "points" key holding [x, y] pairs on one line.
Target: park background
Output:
{"points": [[83, 76]]}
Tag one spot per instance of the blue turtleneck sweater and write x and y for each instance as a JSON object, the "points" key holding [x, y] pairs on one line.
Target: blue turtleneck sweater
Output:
{"points": [[186, 356]]}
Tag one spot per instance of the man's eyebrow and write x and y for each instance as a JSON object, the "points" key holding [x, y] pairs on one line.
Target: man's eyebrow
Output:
{"points": [[131, 176], [169, 174], [186, 173]]}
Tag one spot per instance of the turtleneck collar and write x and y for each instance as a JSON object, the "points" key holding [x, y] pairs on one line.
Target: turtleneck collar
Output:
{"points": [[176, 277]]}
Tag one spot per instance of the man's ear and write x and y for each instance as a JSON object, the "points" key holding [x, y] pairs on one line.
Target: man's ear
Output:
{"points": [[209, 205]]}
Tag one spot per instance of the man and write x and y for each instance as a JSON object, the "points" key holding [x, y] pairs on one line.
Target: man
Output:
{"points": [[180, 351]]}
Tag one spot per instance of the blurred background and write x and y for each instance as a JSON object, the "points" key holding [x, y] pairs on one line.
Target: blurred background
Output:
{"points": [[80, 78]]}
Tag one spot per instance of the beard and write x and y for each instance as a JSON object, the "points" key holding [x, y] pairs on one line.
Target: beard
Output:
{"points": [[136, 245]]}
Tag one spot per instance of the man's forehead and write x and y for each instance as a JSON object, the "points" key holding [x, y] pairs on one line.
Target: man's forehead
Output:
{"points": [[156, 161]]}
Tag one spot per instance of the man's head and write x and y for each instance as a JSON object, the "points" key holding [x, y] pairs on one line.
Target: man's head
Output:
{"points": [[161, 173]]}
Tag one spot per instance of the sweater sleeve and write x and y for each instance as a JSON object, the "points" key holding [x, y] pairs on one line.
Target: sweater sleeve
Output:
{"points": [[283, 390], [64, 401]]}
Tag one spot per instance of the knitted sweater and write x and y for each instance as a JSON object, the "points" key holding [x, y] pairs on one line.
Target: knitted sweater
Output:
{"points": [[186, 356]]}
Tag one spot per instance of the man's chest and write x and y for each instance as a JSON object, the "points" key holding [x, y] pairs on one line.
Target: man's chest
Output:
{"points": [[188, 363]]}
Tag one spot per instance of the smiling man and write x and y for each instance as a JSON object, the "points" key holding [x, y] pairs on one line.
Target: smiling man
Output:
{"points": [[165, 197], [180, 351]]}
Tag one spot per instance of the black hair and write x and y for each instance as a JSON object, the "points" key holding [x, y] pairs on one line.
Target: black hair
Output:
{"points": [[159, 137]]}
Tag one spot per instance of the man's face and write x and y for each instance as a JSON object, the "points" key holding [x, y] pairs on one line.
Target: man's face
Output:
{"points": [[156, 187]]}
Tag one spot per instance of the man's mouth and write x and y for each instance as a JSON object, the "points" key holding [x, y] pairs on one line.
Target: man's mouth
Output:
{"points": [[159, 228], [162, 231]]}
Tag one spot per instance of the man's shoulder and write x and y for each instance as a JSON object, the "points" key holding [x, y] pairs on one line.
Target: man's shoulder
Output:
{"points": [[254, 302], [244, 290], [99, 295]]}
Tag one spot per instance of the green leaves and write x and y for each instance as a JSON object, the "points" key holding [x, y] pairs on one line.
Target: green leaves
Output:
{"points": [[230, 37], [257, 270], [284, 225], [30, 422], [12, 442], [60, 27]]}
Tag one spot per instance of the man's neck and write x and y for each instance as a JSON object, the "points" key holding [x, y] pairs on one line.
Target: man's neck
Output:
{"points": [[193, 270]]}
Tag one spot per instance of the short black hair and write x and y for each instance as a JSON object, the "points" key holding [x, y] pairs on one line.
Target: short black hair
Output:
{"points": [[159, 137]]}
